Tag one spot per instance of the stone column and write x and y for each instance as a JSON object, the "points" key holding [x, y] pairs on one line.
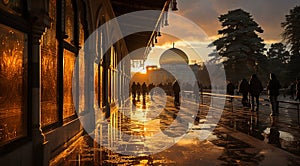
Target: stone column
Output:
{"points": [[106, 63], [37, 135], [39, 20]]}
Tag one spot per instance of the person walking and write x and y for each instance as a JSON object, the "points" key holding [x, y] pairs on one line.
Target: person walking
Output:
{"points": [[297, 89], [144, 90], [144, 93], [138, 90], [151, 90], [273, 91], [133, 91], [292, 89], [255, 89], [244, 89], [176, 90], [196, 89], [230, 90]]}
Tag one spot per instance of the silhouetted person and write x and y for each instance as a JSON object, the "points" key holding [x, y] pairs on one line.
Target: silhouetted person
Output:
{"points": [[274, 137], [297, 89], [138, 90], [230, 90], [150, 160], [292, 89], [244, 89], [176, 90], [255, 89], [144, 90], [133, 90], [151, 89], [196, 91], [273, 90]]}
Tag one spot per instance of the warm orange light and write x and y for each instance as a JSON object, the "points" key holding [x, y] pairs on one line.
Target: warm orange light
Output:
{"points": [[143, 71], [149, 68]]}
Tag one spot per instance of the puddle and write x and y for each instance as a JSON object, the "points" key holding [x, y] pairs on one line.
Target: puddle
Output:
{"points": [[285, 136]]}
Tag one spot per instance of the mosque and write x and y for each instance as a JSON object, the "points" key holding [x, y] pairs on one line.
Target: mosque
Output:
{"points": [[174, 65]]}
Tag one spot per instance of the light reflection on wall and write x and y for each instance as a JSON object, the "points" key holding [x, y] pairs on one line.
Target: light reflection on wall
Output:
{"points": [[81, 81], [96, 97], [68, 105], [69, 18], [49, 109], [81, 69], [13, 54]]}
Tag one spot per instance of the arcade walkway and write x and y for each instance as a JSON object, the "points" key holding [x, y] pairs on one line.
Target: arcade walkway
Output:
{"points": [[240, 138]]}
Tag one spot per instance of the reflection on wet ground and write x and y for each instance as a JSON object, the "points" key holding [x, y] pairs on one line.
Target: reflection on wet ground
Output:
{"points": [[259, 124], [237, 152], [131, 141]]}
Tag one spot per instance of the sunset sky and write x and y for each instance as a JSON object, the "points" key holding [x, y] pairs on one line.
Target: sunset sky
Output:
{"points": [[267, 13]]}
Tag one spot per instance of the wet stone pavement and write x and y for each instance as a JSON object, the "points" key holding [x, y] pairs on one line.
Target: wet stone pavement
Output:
{"points": [[154, 132]]}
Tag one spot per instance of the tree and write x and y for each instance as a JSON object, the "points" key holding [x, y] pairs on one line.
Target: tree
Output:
{"points": [[278, 53], [278, 58], [240, 46], [291, 35]]}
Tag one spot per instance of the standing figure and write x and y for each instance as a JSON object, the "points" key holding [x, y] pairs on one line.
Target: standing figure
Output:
{"points": [[273, 90], [292, 89], [144, 90], [196, 92], [133, 91], [138, 90], [176, 90], [151, 89], [255, 89], [230, 90], [244, 89], [274, 137], [297, 89]]}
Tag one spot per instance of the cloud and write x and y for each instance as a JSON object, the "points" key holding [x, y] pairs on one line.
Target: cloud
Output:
{"points": [[267, 13]]}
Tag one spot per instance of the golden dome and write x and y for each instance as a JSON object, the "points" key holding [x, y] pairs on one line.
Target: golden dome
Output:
{"points": [[173, 56]]}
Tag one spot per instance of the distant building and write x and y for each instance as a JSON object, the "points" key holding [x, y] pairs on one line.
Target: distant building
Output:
{"points": [[173, 65]]}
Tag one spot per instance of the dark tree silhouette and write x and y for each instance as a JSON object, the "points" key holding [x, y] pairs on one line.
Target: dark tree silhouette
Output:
{"points": [[278, 58], [278, 53], [240, 47], [291, 35]]}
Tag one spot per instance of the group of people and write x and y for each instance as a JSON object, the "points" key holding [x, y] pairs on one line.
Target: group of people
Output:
{"points": [[254, 88], [137, 90]]}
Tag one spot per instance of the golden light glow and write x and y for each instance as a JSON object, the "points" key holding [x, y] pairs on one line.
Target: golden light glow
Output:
{"points": [[144, 71], [139, 70]]}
